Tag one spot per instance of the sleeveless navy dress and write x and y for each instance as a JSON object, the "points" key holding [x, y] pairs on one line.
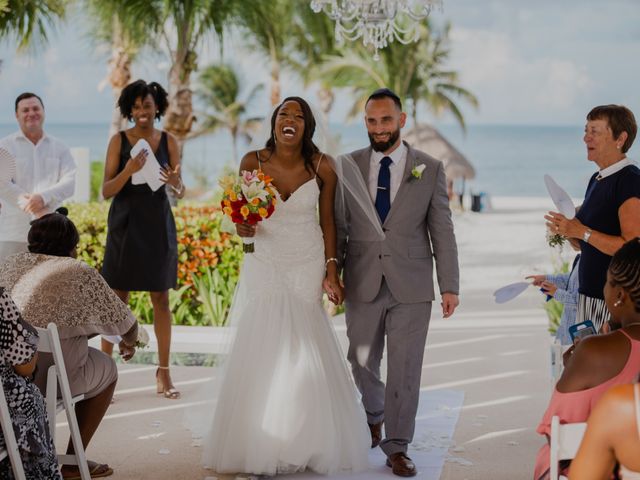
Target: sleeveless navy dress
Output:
{"points": [[142, 249]]}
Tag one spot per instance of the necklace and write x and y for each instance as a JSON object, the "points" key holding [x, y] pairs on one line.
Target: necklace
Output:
{"points": [[631, 324]]}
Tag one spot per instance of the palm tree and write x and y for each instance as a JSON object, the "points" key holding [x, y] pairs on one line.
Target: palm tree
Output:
{"points": [[28, 21], [114, 24], [268, 28], [220, 89], [180, 27], [312, 38], [415, 72]]}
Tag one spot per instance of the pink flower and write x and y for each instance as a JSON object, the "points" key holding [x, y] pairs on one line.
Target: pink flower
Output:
{"points": [[248, 177]]}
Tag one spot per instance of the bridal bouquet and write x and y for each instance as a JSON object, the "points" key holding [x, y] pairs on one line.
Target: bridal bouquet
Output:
{"points": [[248, 198]]}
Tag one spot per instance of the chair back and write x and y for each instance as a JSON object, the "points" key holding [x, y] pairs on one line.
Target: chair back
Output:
{"points": [[11, 444], [564, 444], [57, 377]]}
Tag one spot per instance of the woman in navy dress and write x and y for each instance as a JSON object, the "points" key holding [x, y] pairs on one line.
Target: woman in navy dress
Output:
{"points": [[141, 252], [610, 213]]}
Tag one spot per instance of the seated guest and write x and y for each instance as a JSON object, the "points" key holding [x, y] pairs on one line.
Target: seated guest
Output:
{"points": [[49, 285], [612, 436], [18, 354], [600, 362]]}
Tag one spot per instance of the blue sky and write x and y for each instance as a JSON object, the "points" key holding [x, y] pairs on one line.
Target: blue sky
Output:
{"points": [[544, 62]]}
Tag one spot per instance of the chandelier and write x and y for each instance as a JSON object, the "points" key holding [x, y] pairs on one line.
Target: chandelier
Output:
{"points": [[378, 22]]}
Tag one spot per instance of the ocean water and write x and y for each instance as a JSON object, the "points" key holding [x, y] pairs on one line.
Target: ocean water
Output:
{"points": [[509, 160]]}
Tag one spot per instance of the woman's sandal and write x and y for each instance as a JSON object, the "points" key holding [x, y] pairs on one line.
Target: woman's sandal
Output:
{"points": [[96, 470], [170, 393]]}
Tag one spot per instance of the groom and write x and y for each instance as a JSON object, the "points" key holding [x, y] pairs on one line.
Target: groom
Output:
{"points": [[389, 282]]}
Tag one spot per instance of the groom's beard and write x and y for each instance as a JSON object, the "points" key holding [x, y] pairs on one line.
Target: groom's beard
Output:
{"points": [[384, 146]]}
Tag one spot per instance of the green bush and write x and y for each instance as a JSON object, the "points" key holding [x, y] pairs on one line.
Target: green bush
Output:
{"points": [[208, 262], [97, 173]]}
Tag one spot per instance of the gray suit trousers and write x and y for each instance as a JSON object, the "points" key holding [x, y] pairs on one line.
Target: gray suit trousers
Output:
{"points": [[405, 326]]}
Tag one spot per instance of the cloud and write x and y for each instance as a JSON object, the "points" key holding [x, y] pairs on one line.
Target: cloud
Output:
{"points": [[514, 86]]}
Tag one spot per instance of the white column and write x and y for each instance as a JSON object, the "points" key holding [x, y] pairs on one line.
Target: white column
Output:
{"points": [[83, 174]]}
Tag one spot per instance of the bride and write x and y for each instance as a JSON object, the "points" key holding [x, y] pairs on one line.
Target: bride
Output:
{"points": [[286, 402]]}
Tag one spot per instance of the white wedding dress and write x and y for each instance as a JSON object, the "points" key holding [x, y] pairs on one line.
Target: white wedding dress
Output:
{"points": [[286, 401]]}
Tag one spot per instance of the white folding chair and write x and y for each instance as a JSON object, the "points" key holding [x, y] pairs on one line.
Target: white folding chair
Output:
{"points": [[556, 361], [57, 376], [11, 444], [565, 440]]}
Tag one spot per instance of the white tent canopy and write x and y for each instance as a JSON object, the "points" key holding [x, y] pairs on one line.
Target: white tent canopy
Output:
{"points": [[429, 140]]}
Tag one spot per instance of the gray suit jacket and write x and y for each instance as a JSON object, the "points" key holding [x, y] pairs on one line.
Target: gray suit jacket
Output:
{"points": [[418, 230]]}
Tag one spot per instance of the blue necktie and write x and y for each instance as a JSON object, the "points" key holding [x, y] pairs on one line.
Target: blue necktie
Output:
{"points": [[383, 197]]}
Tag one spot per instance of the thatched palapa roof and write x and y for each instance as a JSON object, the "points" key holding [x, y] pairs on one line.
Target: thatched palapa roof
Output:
{"points": [[429, 140]]}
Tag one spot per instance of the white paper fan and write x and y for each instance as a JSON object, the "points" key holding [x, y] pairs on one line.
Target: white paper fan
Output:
{"points": [[150, 171], [7, 166], [509, 292], [561, 199]]}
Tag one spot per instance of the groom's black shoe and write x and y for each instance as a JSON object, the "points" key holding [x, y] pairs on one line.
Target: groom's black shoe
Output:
{"points": [[401, 465], [376, 434]]}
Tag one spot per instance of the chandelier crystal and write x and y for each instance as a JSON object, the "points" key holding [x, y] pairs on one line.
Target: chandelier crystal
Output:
{"points": [[378, 22]]}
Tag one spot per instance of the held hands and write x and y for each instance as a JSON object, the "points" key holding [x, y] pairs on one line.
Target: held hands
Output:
{"points": [[136, 163], [449, 303], [334, 288]]}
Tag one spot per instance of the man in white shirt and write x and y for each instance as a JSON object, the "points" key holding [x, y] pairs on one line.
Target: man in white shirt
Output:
{"points": [[45, 175]]}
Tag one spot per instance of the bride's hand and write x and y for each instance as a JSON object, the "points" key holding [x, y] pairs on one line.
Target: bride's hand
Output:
{"points": [[334, 289], [245, 230]]}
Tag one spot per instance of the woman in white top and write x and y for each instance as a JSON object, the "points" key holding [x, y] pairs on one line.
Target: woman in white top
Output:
{"points": [[612, 436]]}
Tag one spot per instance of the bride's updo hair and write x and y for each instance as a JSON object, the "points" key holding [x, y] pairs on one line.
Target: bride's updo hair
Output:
{"points": [[308, 147], [53, 234]]}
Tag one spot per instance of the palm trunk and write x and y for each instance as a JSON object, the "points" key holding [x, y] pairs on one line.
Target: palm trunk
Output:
{"points": [[326, 98], [119, 77], [234, 146], [179, 116], [275, 77]]}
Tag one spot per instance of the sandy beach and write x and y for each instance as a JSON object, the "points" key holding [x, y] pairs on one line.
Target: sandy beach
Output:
{"points": [[497, 356]]}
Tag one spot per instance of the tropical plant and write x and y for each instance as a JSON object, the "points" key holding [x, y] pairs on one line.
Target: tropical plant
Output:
{"points": [[312, 38], [181, 27], [114, 24], [219, 89], [416, 72], [267, 26], [28, 22]]}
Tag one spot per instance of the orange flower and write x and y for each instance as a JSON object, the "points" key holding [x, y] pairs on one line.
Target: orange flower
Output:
{"points": [[228, 210], [260, 176], [227, 203], [263, 212], [244, 211], [233, 197], [255, 202]]}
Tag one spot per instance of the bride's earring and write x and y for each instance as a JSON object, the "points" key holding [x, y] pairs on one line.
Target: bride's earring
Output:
{"points": [[617, 303]]}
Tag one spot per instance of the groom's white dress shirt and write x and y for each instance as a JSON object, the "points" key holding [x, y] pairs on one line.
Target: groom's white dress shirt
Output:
{"points": [[399, 158], [47, 169]]}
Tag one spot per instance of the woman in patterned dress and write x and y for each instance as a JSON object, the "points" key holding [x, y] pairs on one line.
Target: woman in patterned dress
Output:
{"points": [[18, 355]]}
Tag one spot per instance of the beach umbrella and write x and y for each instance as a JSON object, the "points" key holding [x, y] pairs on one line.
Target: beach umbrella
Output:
{"points": [[432, 142]]}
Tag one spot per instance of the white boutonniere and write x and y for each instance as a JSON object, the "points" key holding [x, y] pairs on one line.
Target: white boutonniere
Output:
{"points": [[416, 172]]}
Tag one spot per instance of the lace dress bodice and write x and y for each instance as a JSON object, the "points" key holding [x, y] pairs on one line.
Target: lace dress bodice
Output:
{"points": [[290, 242]]}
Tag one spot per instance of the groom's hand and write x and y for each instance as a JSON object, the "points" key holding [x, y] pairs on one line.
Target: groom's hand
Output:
{"points": [[449, 303]]}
